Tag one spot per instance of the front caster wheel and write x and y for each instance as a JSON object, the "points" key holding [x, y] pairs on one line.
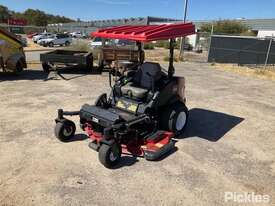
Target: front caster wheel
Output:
{"points": [[109, 155], [65, 130]]}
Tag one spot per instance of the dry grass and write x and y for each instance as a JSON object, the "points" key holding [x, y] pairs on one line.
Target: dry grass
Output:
{"points": [[161, 54], [79, 45], [262, 73]]}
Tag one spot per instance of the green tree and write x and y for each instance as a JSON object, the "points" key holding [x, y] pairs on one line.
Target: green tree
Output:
{"points": [[225, 27], [33, 17], [4, 14]]}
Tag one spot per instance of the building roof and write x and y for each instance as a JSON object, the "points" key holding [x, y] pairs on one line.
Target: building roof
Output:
{"points": [[146, 33], [253, 24], [116, 22]]}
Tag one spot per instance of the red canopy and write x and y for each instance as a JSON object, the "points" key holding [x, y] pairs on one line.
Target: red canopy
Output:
{"points": [[146, 33]]}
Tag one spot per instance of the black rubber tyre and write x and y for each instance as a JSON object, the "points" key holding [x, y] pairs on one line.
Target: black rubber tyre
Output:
{"points": [[67, 43], [174, 118], [46, 67], [108, 155], [64, 131], [100, 62], [51, 44], [19, 67]]}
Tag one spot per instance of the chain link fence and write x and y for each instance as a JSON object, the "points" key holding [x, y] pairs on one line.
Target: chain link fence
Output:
{"points": [[22, 29]]}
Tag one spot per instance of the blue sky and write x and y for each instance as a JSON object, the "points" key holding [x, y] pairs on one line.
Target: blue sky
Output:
{"points": [[112, 9]]}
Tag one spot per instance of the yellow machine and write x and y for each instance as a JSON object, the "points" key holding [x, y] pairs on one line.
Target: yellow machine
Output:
{"points": [[12, 56]]}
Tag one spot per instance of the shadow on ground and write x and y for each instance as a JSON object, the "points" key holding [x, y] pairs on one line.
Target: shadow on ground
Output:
{"points": [[78, 71], [78, 137], [64, 73], [209, 125], [25, 75], [126, 161]]}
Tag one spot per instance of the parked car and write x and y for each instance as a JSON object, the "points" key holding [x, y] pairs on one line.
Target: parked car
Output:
{"points": [[96, 43], [187, 47], [57, 39], [199, 49], [31, 35], [122, 43], [41, 36], [78, 34]]}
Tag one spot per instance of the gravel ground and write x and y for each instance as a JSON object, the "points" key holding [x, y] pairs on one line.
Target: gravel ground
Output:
{"points": [[228, 146]]}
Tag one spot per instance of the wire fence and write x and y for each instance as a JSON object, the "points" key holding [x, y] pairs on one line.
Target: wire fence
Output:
{"points": [[22, 29]]}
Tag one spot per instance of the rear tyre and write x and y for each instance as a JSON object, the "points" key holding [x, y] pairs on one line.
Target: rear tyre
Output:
{"points": [[64, 131], [109, 155], [46, 67], [19, 67], [174, 118]]}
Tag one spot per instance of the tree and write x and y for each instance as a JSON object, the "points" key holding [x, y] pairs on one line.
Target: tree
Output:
{"points": [[33, 17], [4, 14], [225, 27]]}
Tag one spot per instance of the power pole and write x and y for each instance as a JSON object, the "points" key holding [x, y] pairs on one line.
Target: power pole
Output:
{"points": [[182, 41]]}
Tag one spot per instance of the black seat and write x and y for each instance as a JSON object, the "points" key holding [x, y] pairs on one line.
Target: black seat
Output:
{"points": [[143, 80]]}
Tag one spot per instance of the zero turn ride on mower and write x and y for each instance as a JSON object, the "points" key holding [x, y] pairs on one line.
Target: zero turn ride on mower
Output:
{"points": [[146, 106]]}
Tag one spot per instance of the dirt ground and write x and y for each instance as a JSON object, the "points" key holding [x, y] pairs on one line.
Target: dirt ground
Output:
{"points": [[229, 144]]}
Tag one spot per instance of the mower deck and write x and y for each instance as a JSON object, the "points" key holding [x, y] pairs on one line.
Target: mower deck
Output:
{"points": [[155, 145]]}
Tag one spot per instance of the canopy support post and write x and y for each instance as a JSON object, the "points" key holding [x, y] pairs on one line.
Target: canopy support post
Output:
{"points": [[140, 52], [171, 69]]}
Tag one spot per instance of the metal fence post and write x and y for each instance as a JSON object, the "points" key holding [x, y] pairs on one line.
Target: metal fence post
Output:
{"points": [[268, 51], [182, 41], [211, 34]]}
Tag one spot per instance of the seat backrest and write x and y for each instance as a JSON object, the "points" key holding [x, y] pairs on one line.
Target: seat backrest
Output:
{"points": [[147, 73]]}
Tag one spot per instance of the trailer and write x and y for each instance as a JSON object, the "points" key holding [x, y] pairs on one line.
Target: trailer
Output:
{"points": [[55, 59], [12, 56], [109, 55]]}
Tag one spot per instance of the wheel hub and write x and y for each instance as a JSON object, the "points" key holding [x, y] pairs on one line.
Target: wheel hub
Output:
{"points": [[67, 131], [113, 157], [181, 121]]}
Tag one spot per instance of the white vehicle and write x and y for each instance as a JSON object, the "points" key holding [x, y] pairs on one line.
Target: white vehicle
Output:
{"points": [[78, 34], [57, 39], [41, 36], [96, 43]]}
